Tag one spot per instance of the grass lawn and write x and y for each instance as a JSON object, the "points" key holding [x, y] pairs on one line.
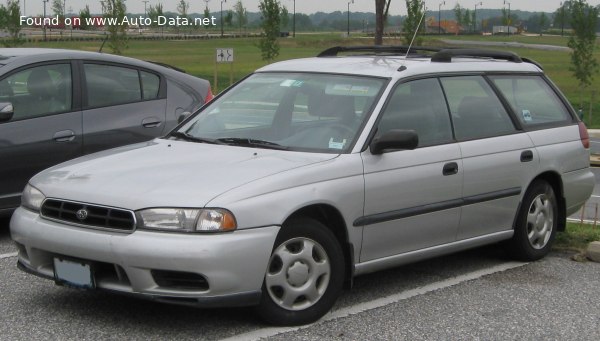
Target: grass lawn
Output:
{"points": [[576, 237], [197, 57]]}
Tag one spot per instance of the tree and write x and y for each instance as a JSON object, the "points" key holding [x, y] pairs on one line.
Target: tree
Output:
{"points": [[10, 21], [561, 17], [467, 19], [413, 22], [241, 15], [84, 16], [154, 12], [382, 8], [285, 17], [117, 36], [228, 18], [542, 21], [458, 15], [58, 9], [206, 12], [583, 19], [183, 7], [271, 18]]}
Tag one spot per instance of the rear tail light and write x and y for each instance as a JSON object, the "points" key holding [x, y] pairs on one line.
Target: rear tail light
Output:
{"points": [[209, 96], [583, 134]]}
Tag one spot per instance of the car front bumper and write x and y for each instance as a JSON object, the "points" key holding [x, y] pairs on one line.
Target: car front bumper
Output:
{"points": [[233, 264]]}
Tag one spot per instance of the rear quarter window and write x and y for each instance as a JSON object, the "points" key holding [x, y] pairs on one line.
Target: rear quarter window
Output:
{"points": [[532, 99]]}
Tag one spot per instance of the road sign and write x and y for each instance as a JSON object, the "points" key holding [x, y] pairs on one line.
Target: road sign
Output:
{"points": [[225, 55]]}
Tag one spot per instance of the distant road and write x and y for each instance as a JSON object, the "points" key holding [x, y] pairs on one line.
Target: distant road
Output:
{"points": [[507, 44]]}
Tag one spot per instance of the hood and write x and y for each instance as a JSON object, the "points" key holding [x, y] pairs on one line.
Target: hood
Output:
{"points": [[165, 173]]}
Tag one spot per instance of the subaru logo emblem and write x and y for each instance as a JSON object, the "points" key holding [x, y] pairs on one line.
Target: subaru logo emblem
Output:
{"points": [[81, 214]]}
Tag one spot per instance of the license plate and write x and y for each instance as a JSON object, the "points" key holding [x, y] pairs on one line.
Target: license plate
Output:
{"points": [[73, 274]]}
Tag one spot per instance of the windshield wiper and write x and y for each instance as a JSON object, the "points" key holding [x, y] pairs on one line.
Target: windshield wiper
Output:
{"points": [[188, 137], [246, 142]]}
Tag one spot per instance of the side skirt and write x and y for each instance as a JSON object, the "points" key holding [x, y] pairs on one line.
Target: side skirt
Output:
{"points": [[431, 252]]}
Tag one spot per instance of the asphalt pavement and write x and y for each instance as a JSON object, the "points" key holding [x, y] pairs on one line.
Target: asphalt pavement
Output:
{"points": [[479, 294]]}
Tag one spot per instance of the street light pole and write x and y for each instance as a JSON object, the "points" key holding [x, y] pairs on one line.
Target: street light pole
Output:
{"points": [[44, 20], [562, 19], [294, 21], [349, 2], [440, 17], [508, 21], [475, 16], [222, 1], [145, 8]]}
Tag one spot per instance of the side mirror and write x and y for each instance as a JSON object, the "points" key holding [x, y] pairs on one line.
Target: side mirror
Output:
{"points": [[183, 116], [395, 139], [6, 111]]}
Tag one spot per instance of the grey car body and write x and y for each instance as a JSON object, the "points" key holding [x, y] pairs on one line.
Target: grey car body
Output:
{"points": [[299, 178], [70, 103]]}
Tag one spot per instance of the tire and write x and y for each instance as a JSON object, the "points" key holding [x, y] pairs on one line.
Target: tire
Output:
{"points": [[537, 223], [304, 276]]}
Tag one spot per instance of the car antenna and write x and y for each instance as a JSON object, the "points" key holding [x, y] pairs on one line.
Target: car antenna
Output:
{"points": [[403, 67], [104, 42]]}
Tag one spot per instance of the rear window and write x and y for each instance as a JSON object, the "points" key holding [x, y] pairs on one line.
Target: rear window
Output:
{"points": [[532, 99]]}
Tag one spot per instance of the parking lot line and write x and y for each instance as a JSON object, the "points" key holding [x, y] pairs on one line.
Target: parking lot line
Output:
{"points": [[9, 255], [381, 302]]}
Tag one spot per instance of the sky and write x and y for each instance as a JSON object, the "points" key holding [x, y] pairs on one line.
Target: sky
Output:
{"points": [[398, 7]]}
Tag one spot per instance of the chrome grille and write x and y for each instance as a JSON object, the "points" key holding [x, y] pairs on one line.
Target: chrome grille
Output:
{"points": [[88, 215]]}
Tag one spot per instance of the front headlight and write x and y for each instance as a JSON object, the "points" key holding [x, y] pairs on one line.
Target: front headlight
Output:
{"points": [[32, 198], [187, 219]]}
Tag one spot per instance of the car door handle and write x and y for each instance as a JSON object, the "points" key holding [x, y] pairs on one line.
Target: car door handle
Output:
{"points": [[64, 136], [151, 122], [450, 168], [526, 156]]}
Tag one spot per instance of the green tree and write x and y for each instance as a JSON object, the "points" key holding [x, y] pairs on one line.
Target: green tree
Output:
{"points": [[459, 15], [58, 9], [583, 19], [206, 12], [542, 21], [271, 18], [154, 12], [467, 19], [241, 15], [228, 18], [413, 22], [561, 16], [285, 17], [117, 36], [10, 20], [183, 8], [84, 16], [382, 8]]}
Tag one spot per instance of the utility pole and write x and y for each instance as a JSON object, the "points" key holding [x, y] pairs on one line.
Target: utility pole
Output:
{"points": [[349, 2], [145, 8], [508, 21], [475, 16], [222, 1], [440, 17], [44, 20], [294, 21]]}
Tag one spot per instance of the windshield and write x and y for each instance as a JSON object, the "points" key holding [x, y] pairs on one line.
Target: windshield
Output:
{"points": [[292, 111]]}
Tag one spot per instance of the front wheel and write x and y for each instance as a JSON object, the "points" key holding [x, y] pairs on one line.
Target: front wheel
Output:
{"points": [[536, 223], [304, 276]]}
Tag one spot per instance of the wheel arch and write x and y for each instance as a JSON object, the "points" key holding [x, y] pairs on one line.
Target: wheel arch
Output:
{"points": [[554, 180], [334, 221]]}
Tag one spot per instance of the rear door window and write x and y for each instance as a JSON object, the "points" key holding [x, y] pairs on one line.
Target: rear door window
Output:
{"points": [[532, 99], [476, 110], [111, 85]]}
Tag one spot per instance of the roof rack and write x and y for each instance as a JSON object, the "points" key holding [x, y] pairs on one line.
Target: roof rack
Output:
{"points": [[334, 51], [445, 55]]}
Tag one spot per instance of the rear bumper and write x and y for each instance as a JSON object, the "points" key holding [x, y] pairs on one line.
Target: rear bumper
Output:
{"points": [[577, 186], [233, 264]]}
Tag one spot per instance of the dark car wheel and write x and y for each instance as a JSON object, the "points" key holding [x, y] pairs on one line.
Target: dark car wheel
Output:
{"points": [[536, 223], [304, 276]]}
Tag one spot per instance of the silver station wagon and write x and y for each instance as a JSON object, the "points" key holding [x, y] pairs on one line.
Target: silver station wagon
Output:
{"points": [[312, 171]]}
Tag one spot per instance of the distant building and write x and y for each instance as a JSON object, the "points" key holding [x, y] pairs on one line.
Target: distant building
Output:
{"points": [[505, 30]]}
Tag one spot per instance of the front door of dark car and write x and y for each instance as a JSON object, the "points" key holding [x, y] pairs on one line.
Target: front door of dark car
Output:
{"points": [[122, 105], [44, 130]]}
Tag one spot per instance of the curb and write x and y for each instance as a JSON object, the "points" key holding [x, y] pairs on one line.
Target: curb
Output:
{"points": [[593, 251], [594, 158]]}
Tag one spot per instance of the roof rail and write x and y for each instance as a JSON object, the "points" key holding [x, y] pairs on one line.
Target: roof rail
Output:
{"points": [[445, 56], [398, 49]]}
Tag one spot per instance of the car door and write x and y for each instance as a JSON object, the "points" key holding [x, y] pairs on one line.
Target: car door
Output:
{"points": [[45, 128], [498, 159], [412, 197], [122, 105]]}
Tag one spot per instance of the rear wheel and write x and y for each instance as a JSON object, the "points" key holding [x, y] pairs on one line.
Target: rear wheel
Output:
{"points": [[536, 224], [304, 276]]}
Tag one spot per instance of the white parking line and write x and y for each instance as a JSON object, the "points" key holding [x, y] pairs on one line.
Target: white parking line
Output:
{"points": [[381, 302], [9, 255]]}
